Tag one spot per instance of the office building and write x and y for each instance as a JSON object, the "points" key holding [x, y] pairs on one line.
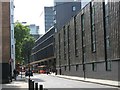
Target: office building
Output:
{"points": [[88, 45], [49, 17], [34, 31], [43, 51], [64, 11]]}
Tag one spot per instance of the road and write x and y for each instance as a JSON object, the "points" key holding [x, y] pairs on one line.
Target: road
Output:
{"points": [[56, 83]]}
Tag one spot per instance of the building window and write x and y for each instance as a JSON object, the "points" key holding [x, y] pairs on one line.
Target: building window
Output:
{"points": [[65, 56], [12, 50], [64, 34], [59, 47], [82, 25], [94, 66], [93, 34], [68, 30], [106, 27], [55, 12], [108, 65], [68, 33], [76, 48], [65, 68], [83, 35], [77, 67], [12, 35], [54, 21], [73, 8], [108, 42]]}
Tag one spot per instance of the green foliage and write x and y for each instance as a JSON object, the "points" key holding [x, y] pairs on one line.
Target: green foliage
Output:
{"points": [[24, 42]]}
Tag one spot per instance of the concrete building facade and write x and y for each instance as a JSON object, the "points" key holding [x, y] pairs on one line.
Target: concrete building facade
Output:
{"points": [[89, 44], [5, 41]]}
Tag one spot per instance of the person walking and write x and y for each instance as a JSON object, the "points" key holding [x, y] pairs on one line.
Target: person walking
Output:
{"points": [[14, 74]]}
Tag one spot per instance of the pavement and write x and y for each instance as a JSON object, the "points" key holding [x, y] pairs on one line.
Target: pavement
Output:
{"points": [[23, 83], [97, 81], [19, 83]]}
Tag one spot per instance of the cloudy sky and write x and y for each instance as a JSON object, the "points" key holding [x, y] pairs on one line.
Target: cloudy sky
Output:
{"points": [[30, 11]]}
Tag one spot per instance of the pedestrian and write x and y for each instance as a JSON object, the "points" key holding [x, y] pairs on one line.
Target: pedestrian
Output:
{"points": [[55, 71], [15, 73], [47, 71]]}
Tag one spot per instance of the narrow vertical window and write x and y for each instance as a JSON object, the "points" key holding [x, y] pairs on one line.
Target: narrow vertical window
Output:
{"points": [[59, 47], [83, 44], [68, 33], [76, 48], [64, 34], [12, 34], [107, 25], [93, 34], [65, 68], [108, 66], [12, 50], [94, 66], [82, 25], [77, 67], [106, 35]]}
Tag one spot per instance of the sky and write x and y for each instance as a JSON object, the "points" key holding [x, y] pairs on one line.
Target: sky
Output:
{"points": [[31, 11]]}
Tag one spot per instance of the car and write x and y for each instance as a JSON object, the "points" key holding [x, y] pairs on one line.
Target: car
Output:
{"points": [[42, 71], [27, 73]]}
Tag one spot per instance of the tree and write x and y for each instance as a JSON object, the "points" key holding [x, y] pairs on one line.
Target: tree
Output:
{"points": [[27, 47], [23, 37]]}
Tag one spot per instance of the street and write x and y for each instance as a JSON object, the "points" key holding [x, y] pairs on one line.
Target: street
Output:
{"points": [[52, 82]]}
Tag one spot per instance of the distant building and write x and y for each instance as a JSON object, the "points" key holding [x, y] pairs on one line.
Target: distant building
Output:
{"points": [[49, 17], [43, 51], [64, 11], [34, 30]]}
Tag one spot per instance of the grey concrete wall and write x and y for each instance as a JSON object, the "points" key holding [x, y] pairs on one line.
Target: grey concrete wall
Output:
{"points": [[98, 57]]}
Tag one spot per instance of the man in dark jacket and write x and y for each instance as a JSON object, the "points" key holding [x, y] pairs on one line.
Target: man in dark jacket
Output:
{"points": [[15, 73]]}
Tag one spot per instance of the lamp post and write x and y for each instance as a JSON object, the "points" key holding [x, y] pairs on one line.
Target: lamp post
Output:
{"points": [[29, 67]]}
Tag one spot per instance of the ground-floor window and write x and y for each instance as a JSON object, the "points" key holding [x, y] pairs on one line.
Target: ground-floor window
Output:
{"points": [[94, 66], [108, 65]]}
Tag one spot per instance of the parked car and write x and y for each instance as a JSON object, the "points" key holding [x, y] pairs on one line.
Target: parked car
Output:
{"points": [[27, 73], [42, 71]]}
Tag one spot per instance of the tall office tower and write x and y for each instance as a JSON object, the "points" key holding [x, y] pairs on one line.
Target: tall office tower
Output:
{"points": [[49, 17], [4, 41], [64, 10]]}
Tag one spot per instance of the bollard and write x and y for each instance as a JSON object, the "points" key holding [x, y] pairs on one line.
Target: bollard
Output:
{"points": [[41, 87], [30, 82], [32, 85], [36, 86]]}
